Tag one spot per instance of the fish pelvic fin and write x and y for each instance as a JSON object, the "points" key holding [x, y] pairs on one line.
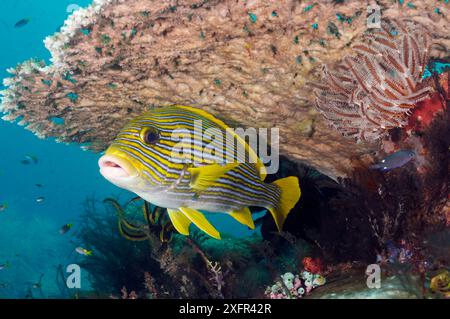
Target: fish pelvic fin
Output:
{"points": [[179, 221], [290, 195], [244, 216], [204, 177], [199, 220]]}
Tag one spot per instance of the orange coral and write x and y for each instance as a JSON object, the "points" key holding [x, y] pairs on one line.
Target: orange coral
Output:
{"points": [[313, 265]]}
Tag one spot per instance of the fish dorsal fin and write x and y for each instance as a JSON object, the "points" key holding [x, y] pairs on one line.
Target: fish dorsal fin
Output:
{"points": [[179, 221], [244, 216], [204, 176], [200, 221], [252, 154]]}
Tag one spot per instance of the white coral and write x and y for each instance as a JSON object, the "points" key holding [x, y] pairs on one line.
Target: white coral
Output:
{"points": [[79, 19]]}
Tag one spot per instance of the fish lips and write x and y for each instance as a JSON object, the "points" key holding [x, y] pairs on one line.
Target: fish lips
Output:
{"points": [[116, 169]]}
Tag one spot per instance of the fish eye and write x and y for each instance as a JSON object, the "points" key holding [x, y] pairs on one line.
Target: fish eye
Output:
{"points": [[150, 135]]}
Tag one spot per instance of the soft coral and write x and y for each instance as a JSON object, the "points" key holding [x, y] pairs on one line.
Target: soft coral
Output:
{"points": [[424, 112]]}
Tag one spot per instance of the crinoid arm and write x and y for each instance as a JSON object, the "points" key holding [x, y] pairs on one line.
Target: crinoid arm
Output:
{"points": [[375, 88]]}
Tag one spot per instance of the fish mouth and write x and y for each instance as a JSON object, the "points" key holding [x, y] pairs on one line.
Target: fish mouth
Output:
{"points": [[114, 167]]}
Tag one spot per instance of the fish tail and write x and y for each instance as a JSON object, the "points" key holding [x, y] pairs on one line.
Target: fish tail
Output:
{"points": [[290, 195]]}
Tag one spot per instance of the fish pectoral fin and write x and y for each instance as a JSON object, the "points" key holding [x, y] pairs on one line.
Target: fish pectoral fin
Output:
{"points": [[179, 221], [204, 176], [200, 221], [244, 216]]}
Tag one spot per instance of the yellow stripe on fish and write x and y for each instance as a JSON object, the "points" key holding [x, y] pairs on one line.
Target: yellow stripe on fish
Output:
{"points": [[211, 174]]}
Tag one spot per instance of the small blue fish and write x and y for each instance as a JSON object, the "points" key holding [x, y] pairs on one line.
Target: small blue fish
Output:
{"points": [[5, 265], [31, 158], [40, 199], [65, 228], [395, 160], [22, 23], [3, 207]]}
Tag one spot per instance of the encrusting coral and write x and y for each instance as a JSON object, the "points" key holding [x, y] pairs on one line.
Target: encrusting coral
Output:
{"points": [[247, 62]]}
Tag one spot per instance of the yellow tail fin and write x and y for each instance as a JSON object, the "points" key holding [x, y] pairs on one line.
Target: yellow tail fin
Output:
{"points": [[290, 194]]}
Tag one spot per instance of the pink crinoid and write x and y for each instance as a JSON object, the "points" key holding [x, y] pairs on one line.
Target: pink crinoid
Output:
{"points": [[376, 88]]}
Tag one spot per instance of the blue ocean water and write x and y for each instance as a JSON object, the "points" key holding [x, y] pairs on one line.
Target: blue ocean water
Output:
{"points": [[30, 244], [29, 240]]}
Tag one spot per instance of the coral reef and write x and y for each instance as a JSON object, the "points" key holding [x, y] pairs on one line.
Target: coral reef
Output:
{"points": [[247, 62], [413, 253], [294, 286], [358, 216], [186, 267]]}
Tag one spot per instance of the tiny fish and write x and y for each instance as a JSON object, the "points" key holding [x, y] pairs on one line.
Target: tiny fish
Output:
{"points": [[395, 160], [38, 285], [65, 228], [83, 251], [3, 207], [31, 158], [40, 199], [22, 23], [5, 265], [39, 185]]}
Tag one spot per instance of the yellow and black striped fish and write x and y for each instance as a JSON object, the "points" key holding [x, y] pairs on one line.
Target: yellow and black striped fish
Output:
{"points": [[172, 157]]}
